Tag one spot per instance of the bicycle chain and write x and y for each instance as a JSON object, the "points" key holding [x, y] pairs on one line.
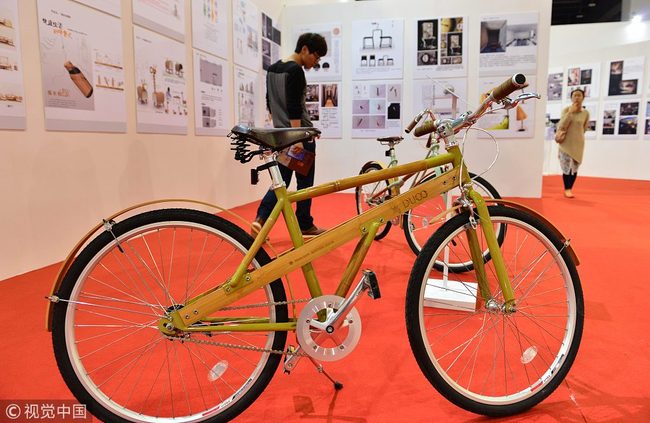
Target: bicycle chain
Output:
{"points": [[245, 347]]}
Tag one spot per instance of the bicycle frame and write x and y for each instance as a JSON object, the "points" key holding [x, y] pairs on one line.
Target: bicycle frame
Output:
{"points": [[363, 226]]}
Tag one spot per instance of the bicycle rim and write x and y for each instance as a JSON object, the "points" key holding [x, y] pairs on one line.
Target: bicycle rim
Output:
{"points": [[120, 357], [480, 358]]}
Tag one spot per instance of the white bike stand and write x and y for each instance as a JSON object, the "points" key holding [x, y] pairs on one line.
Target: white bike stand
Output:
{"points": [[450, 295]]}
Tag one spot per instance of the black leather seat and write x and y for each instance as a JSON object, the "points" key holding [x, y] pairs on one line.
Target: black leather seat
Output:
{"points": [[275, 138]]}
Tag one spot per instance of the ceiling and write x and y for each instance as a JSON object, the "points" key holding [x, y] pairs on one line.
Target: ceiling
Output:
{"points": [[585, 11]]}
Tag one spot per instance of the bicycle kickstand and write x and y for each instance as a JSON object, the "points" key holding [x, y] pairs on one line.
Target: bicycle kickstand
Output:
{"points": [[291, 361], [319, 367]]}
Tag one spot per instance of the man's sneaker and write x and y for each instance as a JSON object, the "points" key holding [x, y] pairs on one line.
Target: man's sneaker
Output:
{"points": [[256, 227], [312, 232]]}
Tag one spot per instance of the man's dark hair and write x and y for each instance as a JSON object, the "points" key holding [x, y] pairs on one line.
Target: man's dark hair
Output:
{"points": [[578, 89], [315, 43]]}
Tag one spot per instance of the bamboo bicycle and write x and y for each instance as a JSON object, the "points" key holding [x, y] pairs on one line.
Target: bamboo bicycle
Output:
{"points": [[420, 222], [179, 315]]}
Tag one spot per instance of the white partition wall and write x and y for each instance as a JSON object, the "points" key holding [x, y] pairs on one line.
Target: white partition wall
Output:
{"points": [[615, 156], [57, 185], [518, 170]]}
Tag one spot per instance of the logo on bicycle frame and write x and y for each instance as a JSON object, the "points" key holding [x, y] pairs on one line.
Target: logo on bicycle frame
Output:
{"points": [[409, 203]]}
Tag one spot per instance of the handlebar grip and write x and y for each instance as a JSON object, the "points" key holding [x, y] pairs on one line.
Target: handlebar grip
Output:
{"points": [[426, 128], [410, 126], [517, 81]]}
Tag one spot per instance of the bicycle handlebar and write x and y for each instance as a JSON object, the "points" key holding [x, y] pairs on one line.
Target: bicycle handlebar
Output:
{"points": [[516, 82]]}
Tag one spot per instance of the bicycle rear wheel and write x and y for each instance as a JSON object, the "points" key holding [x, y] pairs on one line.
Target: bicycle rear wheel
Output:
{"points": [[106, 340], [371, 195], [422, 221], [476, 355]]}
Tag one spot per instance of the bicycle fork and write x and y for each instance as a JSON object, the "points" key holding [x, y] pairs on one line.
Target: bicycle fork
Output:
{"points": [[505, 284]]}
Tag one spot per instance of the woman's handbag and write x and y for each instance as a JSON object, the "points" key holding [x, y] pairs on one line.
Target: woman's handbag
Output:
{"points": [[560, 134]]}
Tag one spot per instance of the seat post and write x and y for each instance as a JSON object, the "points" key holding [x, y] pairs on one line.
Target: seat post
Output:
{"points": [[270, 159]]}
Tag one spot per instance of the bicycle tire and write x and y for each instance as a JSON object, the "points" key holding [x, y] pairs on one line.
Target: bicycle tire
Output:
{"points": [[478, 357], [363, 192], [106, 341], [419, 224]]}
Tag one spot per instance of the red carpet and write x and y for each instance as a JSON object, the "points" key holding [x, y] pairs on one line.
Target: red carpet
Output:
{"points": [[610, 381]]}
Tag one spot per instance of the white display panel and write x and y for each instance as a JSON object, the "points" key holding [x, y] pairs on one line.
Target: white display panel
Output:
{"points": [[271, 41], [212, 96], [246, 34], [508, 43], [210, 26], [586, 77], [378, 49], [329, 67], [161, 90], [114, 7], [514, 123], [438, 96], [323, 103], [441, 47], [246, 86], [555, 84], [626, 77], [376, 108], [82, 68], [162, 16], [621, 118], [12, 90]]}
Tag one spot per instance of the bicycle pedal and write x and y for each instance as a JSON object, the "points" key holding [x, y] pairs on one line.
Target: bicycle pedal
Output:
{"points": [[371, 282]]}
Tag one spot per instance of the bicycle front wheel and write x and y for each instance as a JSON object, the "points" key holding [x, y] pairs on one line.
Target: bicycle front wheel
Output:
{"points": [[371, 195], [105, 330], [422, 221], [478, 356]]}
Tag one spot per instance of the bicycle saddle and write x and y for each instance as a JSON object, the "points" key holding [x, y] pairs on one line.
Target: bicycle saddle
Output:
{"points": [[276, 138]]}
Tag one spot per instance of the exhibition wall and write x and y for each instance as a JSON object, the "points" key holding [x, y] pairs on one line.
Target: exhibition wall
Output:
{"points": [[56, 185], [619, 144], [518, 169], [81, 155]]}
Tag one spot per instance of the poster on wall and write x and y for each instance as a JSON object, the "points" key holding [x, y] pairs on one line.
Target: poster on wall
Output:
{"points": [[621, 118], [513, 123], [114, 7], [210, 27], [161, 90], [444, 97], [647, 120], [329, 66], [271, 41], [323, 101], [508, 43], [585, 77], [82, 68], [555, 84], [212, 97], [246, 34], [625, 76], [245, 96], [377, 49], [376, 108], [165, 17], [441, 49], [12, 94]]}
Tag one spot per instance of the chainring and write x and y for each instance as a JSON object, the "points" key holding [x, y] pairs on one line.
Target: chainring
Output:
{"points": [[318, 343]]}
